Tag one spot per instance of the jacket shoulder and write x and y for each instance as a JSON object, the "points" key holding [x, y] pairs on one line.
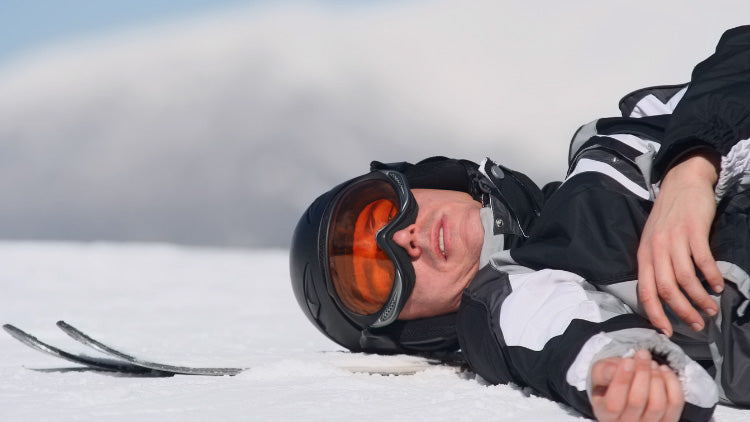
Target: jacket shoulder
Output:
{"points": [[481, 341]]}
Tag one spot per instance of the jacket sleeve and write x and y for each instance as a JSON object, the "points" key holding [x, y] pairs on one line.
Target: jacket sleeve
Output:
{"points": [[544, 330], [714, 112], [541, 314]]}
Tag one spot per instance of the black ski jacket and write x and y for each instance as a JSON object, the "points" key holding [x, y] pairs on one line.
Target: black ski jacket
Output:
{"points": [[541, 314]]}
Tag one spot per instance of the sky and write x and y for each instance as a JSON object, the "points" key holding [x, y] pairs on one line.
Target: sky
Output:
{"points": [[30, 25], [218, 123]]}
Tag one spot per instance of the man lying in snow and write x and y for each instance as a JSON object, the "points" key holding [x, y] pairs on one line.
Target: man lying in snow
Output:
{"points": [[549, 288]]}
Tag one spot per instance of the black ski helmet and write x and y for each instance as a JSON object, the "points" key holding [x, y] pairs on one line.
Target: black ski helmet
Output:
{"points": [[308, 261]]}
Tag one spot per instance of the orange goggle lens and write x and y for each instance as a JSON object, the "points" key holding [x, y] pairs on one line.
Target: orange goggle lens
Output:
{"points": [[362, 273]]}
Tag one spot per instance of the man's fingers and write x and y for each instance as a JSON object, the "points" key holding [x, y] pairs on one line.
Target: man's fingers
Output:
{"points": [[614, 401], [640, 387], [647, 294], [705, 262], [657, 398], [688, 280], [635, 389], [666, 267], [602, 374], [669, 291], [675, 397]]}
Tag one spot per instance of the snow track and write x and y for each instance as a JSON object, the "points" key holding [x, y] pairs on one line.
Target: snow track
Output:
{"points": [[208, 307]]}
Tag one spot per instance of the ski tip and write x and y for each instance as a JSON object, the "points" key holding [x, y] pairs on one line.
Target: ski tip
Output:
{"points": [[71, 330], [11, 328], [18, 333]]}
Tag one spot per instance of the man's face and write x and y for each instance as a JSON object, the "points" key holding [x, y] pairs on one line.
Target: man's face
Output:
{"points": [[444, 245]]}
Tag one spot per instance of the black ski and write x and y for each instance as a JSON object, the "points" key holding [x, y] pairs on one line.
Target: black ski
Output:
{"points": [[127, 364], [103, 364], [185, 370]]}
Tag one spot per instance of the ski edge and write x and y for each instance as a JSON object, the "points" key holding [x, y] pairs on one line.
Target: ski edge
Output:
{"points": [[87, 340], [124, 363], [103, 364]]}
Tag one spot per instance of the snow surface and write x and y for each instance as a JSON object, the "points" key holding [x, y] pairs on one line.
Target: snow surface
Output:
{"points": [[208, 307]]}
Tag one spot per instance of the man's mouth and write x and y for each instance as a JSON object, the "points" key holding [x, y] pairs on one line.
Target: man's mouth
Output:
{"points": [[441, 241]]}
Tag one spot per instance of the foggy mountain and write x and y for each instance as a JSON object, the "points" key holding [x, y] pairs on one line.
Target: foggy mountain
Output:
{"points": [[220, 129]]}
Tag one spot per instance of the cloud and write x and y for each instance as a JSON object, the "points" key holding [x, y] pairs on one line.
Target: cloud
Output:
{"points": [[221, 129]]}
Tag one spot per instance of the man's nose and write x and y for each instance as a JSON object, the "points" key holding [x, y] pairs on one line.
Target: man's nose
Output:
{"points": [[407, 239]]}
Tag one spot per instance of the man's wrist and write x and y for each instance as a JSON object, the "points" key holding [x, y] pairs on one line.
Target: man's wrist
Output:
{"points": [[702, 165]]}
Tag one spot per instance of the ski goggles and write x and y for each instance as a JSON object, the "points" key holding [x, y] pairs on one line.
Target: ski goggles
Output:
{"points": [[371, 277]]}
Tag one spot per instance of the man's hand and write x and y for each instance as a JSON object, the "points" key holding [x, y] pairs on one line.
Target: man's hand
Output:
{"points": [[635, 389], [674, 238]]}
